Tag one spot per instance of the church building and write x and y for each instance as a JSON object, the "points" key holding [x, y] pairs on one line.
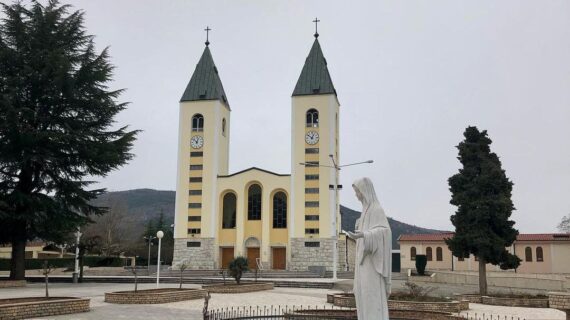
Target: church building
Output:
{"points": [[277, 221]]}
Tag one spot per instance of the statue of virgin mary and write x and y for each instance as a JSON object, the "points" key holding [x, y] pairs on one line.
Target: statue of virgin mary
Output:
{"points": [[373, 263]]}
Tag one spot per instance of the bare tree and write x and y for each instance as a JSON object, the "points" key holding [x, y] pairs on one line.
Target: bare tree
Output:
{"points": [[135, 271], [183, 265], [110, 227], [46, 271], [564, 225]]}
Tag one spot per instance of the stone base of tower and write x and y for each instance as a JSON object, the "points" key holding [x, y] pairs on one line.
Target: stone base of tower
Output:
{"points": [[200, 253], [305, 253]]}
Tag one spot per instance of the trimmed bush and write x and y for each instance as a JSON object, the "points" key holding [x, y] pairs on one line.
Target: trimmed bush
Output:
{"points": [[90, 261], [237, 267], [421, 263]]}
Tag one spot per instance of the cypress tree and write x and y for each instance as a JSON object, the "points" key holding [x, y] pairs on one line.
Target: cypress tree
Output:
{"points": [[57, 127], [482, 193]]}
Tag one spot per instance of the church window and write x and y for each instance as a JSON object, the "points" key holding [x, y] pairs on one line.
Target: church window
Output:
{"points": [[198, 122], [312, 164], [254, 202], [312, 217], [312, 118], [528, 254], [280, 210], [196, 154], [196, 167], [195, 192], [229, 211], [311, 177], [224, 127], [439, 254], [312, 231], [196, 179], [194, 231], [194, 218], [539, 254], [311, 190], [194, 205], [413, 254], [311, 150], [312, 244], [311, 204], [429, 254]]}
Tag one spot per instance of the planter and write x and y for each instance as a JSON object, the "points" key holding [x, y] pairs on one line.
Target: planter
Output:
{"points": [[351, 315], [39, 307], [154, 296], [515, 302], [473, 298], [241, 288], [560, 301], [12, 283], [347, 300]]}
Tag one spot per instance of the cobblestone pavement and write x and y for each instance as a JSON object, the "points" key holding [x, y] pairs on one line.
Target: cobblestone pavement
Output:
{"points": [[192, 309]]}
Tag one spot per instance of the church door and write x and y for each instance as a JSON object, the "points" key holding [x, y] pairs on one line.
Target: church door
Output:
{"points": [[227, 257], [252, 255], [279, 258]]}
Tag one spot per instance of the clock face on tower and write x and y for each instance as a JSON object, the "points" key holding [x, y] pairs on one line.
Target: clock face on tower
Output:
{"points": [[312, 137], [197, 142]]}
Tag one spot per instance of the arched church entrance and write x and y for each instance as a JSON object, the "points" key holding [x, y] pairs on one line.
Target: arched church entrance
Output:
{"points": [[252, 245]]}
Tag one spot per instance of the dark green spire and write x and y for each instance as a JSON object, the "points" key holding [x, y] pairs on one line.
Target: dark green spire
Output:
{"points": [[315, 77], [205, 83]]}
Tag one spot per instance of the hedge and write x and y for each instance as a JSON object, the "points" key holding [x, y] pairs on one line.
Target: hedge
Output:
{"points": [[89, 261]]}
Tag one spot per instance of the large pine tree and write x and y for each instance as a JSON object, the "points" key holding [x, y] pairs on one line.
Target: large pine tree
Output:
{"points": [[482, 193], [56, 125]]}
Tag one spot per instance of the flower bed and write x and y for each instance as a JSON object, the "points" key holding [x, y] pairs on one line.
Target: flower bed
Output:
{"points": [[509, 300], [12, 283], [154, 296], [351, 315], [23, 308], [241, 288], [560, 301], [347, 300]]}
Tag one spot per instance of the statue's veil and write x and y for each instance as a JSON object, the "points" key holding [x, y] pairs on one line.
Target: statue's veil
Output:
{"points": [[370, 201]]}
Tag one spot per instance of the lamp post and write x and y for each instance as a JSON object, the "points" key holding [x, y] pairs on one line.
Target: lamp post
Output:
{"points": [[336, 187], [159, 235], [149, 239], [76, 270]]}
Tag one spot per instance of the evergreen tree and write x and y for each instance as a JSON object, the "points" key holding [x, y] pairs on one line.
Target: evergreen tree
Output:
{"points": [[56, 125], [482, 193]]}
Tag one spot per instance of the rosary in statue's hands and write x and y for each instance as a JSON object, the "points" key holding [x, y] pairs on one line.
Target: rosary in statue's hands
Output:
{"points": [[357, 234]]}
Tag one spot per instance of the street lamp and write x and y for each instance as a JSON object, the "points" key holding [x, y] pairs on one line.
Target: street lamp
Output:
{"points": [[149, 239], [76, 270], [336, 166], [159, 235]]}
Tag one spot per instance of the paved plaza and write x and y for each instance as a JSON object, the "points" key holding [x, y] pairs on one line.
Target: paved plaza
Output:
{"points": [[193, 309]]}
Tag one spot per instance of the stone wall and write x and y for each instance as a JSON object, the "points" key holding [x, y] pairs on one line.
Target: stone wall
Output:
{"points": [[39, 309], [203, 257], [242, 288], [12, 283], [154, 296], [515, 302], [303, 257], [560, 301]]}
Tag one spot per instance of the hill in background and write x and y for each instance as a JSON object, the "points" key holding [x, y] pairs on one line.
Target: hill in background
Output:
{"points": [[143, 205]]}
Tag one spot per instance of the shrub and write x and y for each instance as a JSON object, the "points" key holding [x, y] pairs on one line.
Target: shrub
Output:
{"points": [[421, 263], [237, 267]]}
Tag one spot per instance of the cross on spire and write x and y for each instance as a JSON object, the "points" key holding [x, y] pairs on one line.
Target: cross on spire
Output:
{"points": [[316, 21], [207, 35]]}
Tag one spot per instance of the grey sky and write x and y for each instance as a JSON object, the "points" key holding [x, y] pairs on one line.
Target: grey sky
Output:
{"points": [[410, 75]]}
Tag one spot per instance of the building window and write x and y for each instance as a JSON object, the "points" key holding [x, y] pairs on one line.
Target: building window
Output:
{"points": [[312, 118], [312, 244], [539, 254], [194, 218], [311, 164], [198, 122], [196, 154], [194, 205], [280, 210], [196, 179], [413, 254], [254, 202], [194, 231], [193, 244], [196, 167], [528, 254], [429, 254], [311, 150], [311, 204], [439, 254], [312, 217], [312, 231], [224, 127], [195, 192], [311, 177], [229, 211], [460, 259], [311, 190]]}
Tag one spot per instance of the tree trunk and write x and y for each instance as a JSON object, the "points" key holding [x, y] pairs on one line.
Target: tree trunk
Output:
{"points": [[482, 277], [47, 284], [181, 271], [18, 261]]}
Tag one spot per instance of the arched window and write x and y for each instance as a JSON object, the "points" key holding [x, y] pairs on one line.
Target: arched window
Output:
{"points": [[254, 202], [439, 254], [429, 254], [413, 254], [539, 254], [528, 254], [198, 122], [280, 210], [312, 118], [229, 211], [224, 127]]}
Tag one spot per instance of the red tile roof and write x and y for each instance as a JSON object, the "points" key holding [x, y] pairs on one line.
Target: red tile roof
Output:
{"points": [[520, 237]]}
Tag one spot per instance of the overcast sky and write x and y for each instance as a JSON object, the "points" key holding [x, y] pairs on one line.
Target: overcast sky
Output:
{"points": [[410, 76]]}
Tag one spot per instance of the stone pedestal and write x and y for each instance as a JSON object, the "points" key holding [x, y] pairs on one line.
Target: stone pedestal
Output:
{"points": [[307, 252], [200, 252], [560, 301]]}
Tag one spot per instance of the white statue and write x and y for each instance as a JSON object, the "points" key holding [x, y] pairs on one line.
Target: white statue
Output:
{"points": [[373, 263]]}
